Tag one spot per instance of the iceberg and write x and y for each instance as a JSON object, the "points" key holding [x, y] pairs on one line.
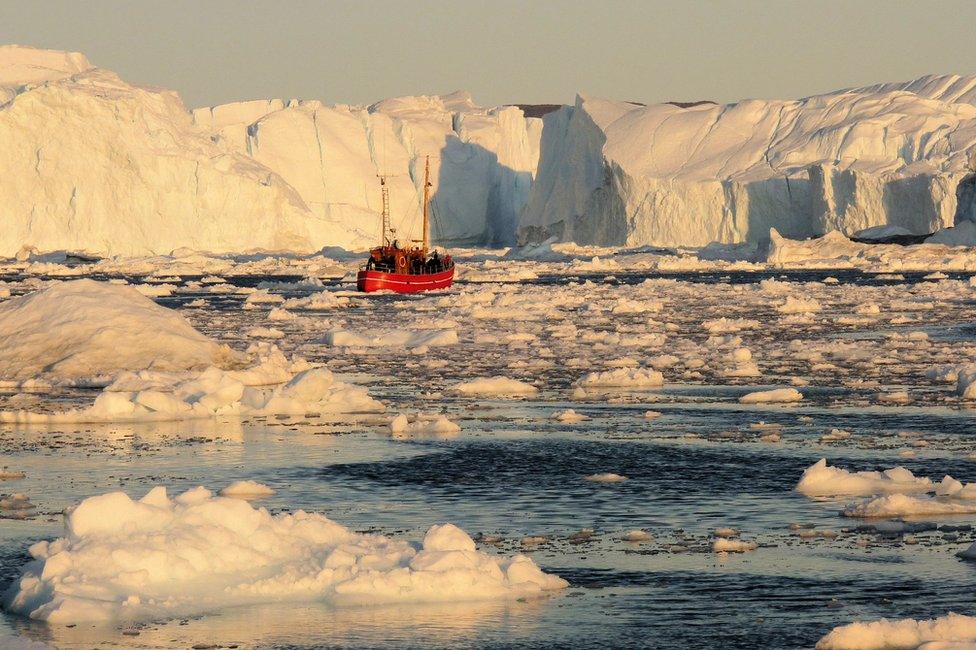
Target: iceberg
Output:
{"points": [[619, 173], [159, 557], [102, 166]]}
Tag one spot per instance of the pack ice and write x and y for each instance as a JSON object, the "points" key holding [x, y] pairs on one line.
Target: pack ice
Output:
{"points": [[152, 363], [158, 557], [618, 173]]}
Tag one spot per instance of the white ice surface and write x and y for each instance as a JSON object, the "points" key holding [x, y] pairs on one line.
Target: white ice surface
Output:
{"points": [[86, 330], [953, 631], [163, 558], [822, 480]]}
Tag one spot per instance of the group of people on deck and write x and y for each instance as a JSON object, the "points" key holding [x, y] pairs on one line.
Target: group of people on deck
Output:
{"points": [[393, 259]]}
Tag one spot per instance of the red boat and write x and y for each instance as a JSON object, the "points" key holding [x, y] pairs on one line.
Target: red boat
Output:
{"points": [[404, 282], [391, 267]]}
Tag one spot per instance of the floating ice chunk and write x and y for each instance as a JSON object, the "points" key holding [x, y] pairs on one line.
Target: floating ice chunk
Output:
{"points": [[606, 477], [226, 553], [393, 338], [740, 355], [663, 361], [743, 369], [318, 301], [729, 325], [84, 329], [636, 536], [155, 290], [867, 309], [247, 490], [723, 545], [835, 435], [265, 333], [15, 501], [624, 377], [628, 306], [968, 553], [955, 630], [434, 423], [569, 416], [799, 306], [261, 297], [901, 505], [650, 415], [770, 396], [822, 480], [966, 381], [897, 397], [495, 386], [159, 396], [281, 314]]}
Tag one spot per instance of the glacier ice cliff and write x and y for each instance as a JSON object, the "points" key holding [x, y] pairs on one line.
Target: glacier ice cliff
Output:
{"points": [[617, 173], [482, 160], [92, 163]]}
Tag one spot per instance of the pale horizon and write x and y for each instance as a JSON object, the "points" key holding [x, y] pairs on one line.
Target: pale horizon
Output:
{"points": [[506, 53]]}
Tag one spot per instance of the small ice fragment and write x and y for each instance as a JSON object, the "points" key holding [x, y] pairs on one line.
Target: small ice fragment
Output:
{"points": [[569, 416], [247, 490], [606, 477], [636, 536], [772, 396], [722, 545]]}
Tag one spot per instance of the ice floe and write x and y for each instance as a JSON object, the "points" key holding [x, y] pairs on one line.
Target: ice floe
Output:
{"points": [[777, 395], [495, 386], [159, 557], [247, 490], [953, 631], [821, 479], [86, 331], [623, 377], [423, 423], [392, 338], [260, 390]]}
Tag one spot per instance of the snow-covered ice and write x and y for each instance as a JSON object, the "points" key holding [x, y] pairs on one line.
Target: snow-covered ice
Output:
{"points": [[953, 631], [246, 489], [162, 557], [85, 331], [776, 395], [821, 479], [495, 386]]}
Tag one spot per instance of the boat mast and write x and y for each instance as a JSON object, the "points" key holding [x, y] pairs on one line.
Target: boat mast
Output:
{"points": [[384, 240], [426, 202]]}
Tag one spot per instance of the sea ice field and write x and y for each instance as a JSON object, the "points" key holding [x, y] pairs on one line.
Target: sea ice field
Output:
{"points": [[571, 447]]}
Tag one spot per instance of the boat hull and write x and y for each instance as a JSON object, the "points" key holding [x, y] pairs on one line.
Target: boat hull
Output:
{"points": [[402, 282]]}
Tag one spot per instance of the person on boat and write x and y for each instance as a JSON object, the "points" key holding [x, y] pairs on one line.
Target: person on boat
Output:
{"points": [[435, 262]]}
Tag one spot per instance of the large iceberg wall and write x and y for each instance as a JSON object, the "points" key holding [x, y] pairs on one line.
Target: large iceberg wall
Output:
{"points": [[482, 160], [93, 163], [617, 173]]}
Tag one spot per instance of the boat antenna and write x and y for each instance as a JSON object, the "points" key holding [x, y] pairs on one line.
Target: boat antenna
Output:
{"points": [[426, 206], [384, 240]]}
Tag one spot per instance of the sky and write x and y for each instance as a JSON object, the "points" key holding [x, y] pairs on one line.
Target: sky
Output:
{"points": [[503, 51]]}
